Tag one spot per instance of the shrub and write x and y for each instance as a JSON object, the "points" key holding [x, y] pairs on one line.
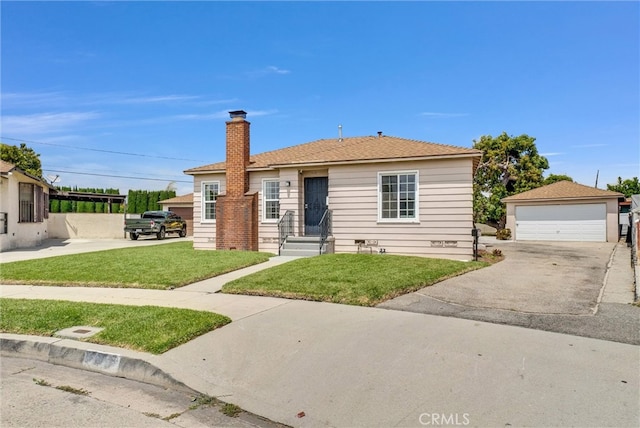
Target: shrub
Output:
{"points": [[503, 234]]}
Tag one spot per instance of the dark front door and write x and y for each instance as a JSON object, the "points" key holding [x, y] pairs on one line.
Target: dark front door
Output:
{"points": [[316, 190]]}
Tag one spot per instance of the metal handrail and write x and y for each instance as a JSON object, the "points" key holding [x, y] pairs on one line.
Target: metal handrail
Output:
{"points": [[285, 228], [325, 227]]}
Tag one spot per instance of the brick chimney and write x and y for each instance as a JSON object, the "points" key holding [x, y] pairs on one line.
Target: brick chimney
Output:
{"points": [[237, 210], [237, 154]]}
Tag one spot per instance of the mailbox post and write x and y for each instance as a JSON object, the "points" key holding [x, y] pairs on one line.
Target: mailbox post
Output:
{"points": [[475, 232]]}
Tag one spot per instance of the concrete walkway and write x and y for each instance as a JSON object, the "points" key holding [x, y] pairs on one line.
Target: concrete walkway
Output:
{"points": [[202, 295], [618, 283], [319, 364], [62, 247]]}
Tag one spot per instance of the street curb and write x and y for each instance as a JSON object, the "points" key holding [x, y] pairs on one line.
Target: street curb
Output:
{"points": [[97, 359]]}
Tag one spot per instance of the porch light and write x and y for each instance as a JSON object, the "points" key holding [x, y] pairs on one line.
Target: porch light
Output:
{"points": [[287, 184]]}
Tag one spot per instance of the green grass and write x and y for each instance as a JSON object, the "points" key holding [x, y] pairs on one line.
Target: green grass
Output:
{"points": [[355, 279], [143, 328], [154, 267]]}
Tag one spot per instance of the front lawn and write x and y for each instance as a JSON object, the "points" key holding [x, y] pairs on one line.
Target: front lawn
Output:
{"points": [[356, 279], [154, 267], [141, 328]]}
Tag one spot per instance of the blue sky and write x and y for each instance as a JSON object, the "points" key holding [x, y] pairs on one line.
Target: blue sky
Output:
{"points": [[81, 80]]}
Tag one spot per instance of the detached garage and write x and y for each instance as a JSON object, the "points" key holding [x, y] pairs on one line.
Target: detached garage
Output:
{"points": [[564, 211]]}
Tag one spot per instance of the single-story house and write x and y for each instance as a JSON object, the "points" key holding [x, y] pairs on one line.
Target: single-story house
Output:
{"points": [[24, 208], [183, 206], [360, 194], [564, 211]]}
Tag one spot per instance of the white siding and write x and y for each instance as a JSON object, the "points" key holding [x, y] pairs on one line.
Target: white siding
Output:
{"points": [[204, 234], [445, 209], [267, 231], [19, 235]]}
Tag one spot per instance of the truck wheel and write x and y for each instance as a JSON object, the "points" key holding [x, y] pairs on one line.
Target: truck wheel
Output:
{"points": [[183, 232], [133, 236], [160, 234]]}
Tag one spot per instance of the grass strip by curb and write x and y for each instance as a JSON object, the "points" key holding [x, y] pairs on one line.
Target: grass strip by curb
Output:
{"points": [[142, 328]]}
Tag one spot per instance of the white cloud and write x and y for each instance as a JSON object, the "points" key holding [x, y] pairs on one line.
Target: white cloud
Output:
{"points": [[41, 123], [220, 115], [271, 69], [159, 99], [588, 146], [200, 116], [551, 154], [56, 100], [13, 100], [436, 115], [276, 70]]}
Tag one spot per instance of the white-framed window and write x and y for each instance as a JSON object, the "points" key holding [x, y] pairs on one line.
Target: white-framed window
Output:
{"points": [[270, 200], [398, 196], [210, 190]]}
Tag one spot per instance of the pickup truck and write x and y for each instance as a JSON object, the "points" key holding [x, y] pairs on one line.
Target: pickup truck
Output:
{"points": [[157, 223]]}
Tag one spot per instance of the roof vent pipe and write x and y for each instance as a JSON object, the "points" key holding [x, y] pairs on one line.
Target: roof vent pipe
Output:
{"points": [[379, 134], [340, 133]]}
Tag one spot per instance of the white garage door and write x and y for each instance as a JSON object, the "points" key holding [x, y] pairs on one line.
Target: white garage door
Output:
{"points": [[579, 222]]}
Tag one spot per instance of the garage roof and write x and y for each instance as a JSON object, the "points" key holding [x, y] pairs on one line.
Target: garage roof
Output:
{"points": [[565, 190]]}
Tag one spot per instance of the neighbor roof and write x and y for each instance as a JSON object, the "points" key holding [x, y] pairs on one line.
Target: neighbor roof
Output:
{"points": [[347, 150], [563, 190], [182, 199], [6, 167]]}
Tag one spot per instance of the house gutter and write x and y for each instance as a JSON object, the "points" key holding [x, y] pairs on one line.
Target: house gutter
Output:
{"points": [[345, 162], [568, 198], [370, 161]]}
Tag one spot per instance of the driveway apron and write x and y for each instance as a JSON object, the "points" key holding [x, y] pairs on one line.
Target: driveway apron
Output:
{"points": [[537, 277]]}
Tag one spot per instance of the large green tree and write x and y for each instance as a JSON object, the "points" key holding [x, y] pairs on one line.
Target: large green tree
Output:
{"points": [[554, 178], [628, 187], [509, 165], [23, 157]]}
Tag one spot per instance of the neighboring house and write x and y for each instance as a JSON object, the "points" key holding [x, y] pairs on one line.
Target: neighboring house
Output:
{"points": [[374, 194], [564, 211], [634, 241], [625, 209], [24, 208], [183, 206]]}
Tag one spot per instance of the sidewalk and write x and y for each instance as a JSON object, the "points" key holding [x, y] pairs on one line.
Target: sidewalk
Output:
{"points": [[619, 286], [319, 364], [353, 366]]}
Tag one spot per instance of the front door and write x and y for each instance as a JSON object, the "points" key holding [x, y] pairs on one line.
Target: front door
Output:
{"points": [[316, 190]]}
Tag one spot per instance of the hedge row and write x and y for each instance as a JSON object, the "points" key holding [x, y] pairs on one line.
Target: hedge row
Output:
{"points": [[140, 201], [58, 206]]}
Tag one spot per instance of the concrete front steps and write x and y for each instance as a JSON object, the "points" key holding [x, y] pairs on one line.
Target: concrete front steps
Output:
{"points": [[302, 246]]}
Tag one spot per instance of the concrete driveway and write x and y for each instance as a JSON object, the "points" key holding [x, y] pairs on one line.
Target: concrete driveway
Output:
{"points": [[536, 278], [62, 247]]}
